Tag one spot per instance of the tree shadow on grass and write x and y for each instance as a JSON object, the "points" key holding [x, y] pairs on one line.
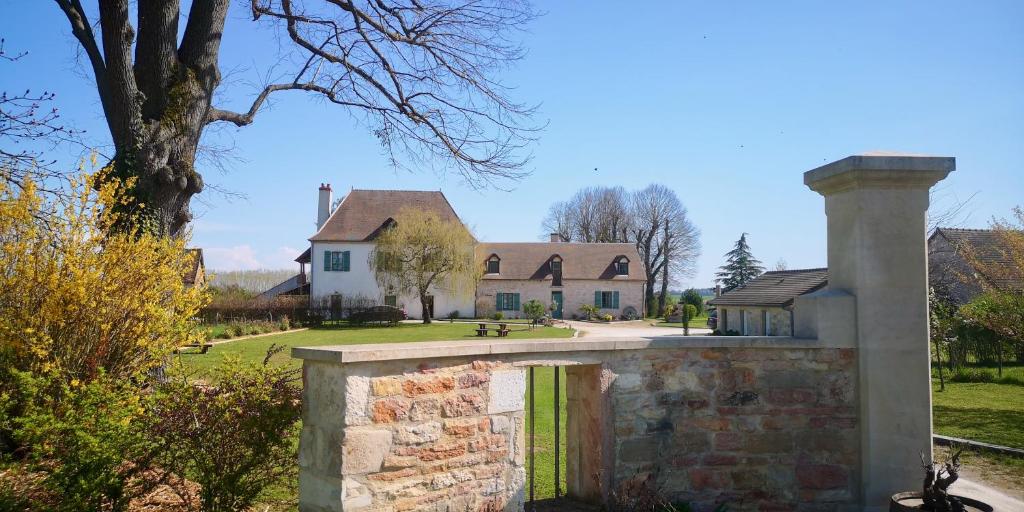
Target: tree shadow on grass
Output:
{"points": [[1002, 427]]}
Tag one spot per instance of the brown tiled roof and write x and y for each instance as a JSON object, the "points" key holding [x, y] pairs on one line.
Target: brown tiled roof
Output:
{"points": [[362, 213], [776, 288], [192, 273], [306, 256], [987, 246], [531, 260]]}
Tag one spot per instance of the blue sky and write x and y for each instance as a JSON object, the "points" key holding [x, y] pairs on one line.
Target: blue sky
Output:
{"points": [[725, 102]]}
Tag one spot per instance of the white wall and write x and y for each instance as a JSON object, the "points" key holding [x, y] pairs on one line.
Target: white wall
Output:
{"points": [[359, 281]]}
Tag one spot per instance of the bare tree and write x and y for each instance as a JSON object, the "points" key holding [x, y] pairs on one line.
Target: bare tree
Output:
{"points": [[593, 214], [781, 265], [29, 123], [653, 218], [666, 239], [420, 72]]}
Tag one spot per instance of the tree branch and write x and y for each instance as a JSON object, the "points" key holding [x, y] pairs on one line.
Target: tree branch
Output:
{"points": [[240, 119]]}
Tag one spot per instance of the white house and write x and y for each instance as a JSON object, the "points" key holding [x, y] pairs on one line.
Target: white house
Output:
{"points": [[340, 251]]}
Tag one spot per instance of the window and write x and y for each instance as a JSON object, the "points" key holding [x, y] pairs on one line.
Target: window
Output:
{"points": [[337, 261], [494, 265], [606, 300], [556, 271], [391, 300], [622, 267], [507, 301], [725, 321], [766, 322]]}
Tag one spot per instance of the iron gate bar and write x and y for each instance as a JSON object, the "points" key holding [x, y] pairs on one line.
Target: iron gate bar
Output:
{"points": [[558, 489], [533, 506]]}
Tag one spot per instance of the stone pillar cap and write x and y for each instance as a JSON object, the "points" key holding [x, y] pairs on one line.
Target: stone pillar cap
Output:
{"points": [[879, 170]]}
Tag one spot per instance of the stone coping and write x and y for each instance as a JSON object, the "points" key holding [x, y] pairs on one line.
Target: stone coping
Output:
{"points": [[436, 349]]}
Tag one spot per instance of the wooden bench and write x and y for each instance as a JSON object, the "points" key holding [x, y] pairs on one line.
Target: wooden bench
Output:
{"points": [[203, 347], [501, 329]]}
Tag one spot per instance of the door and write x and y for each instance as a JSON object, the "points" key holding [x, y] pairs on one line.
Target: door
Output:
{"points": [[556, 299]]}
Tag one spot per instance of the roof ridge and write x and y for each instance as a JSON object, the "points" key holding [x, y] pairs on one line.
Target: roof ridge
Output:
{"points": [[795, 270], [395, 190]]}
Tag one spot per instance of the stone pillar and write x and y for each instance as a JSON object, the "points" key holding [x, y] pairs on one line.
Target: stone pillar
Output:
{"points": [[876, 206]]}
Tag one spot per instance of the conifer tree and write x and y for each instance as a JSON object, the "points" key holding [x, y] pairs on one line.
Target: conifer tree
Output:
{"points": [[740, 265]]}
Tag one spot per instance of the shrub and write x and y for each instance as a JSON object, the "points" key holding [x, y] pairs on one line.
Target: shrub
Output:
{"points": [[589, 311], [77, 296], [689, 312], [972, 375], [237, 329], [234, 438], [226, 334], [534, 310], [81, 435], [607, 317], [692, 296], [284, 323], [498, 315]]}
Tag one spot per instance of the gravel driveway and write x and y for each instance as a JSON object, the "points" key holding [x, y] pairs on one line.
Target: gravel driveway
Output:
{"points": [[638, 328]]}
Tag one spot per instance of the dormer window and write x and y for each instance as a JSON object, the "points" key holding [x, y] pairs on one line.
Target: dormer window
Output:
{"points": [[556, 270], [494, 264], [622, 266]]}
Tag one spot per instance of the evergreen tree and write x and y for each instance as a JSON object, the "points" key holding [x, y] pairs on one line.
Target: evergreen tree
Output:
{"points": [[740, 266]]}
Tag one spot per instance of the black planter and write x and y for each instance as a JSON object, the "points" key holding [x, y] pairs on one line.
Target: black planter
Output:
{"points": [[896, 504]]}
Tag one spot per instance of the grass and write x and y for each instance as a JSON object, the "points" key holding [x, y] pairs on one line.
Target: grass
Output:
{"points": [[701, 321], [1013, 373], [544, 431], [987, 412], [255, 349]]}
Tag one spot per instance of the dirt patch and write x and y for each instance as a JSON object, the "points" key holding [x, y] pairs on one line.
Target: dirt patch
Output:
{"points": [[1002, 472]]}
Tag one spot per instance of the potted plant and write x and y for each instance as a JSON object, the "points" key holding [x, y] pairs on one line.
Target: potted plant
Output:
{"points": [[935, 495]]}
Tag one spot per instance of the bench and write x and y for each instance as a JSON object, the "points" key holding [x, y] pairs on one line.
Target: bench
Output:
{"points": [[203, 347], [501, 329]]}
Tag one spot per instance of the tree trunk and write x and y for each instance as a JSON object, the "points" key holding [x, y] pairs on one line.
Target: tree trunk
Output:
{"points": [[938, 357], [664, 272], [424, 308], [157, 106]]}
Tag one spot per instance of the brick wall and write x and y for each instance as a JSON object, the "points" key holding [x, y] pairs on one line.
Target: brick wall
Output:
{"points": [[758, 428]]}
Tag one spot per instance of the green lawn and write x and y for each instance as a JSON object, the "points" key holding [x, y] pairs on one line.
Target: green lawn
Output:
{"points": [[700, 321], [256, 348], [991, 413], [544, 428]]}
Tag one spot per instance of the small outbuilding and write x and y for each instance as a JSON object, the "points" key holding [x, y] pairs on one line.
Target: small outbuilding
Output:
{"points": [[764, 305]]}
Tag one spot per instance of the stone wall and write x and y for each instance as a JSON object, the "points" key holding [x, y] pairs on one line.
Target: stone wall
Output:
{"points": [[753, 427], [575, 293]]}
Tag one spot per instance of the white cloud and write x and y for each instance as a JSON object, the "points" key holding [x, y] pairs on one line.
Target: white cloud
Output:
{"points": [[244, 257]]}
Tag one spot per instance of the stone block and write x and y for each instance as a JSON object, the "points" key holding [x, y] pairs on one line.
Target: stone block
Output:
{"points": [[642, 449], [433, 384], [386, 386], [461, 427], [473, 380], [390, 410], [463, 404], [419, 433], [628, 382], [357, 396], [425, 409], [363, 450], [507, 391], [822, 476]]}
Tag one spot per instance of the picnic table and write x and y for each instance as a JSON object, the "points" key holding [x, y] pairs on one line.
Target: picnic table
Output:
{"points": [[501, 329]]}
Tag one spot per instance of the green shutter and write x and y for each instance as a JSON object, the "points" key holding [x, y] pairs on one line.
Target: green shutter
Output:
{"points": [[515, 302], [615, 300], [501, 303], [597, 299], [345, 261], [327, 260]]}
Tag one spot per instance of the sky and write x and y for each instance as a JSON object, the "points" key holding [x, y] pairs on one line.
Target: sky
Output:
{"points": [[727, 103]]}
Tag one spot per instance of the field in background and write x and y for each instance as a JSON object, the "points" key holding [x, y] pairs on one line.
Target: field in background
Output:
{"points": [[256, 281]]}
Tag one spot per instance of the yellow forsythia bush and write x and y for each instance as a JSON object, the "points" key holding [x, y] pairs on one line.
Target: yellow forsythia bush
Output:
{"points": [[75, 298]]}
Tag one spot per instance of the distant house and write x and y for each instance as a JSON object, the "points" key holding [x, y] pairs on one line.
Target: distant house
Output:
{"points": [[953, 276], [566, 275], [195, 274], [340, 250], [764, 305]]}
